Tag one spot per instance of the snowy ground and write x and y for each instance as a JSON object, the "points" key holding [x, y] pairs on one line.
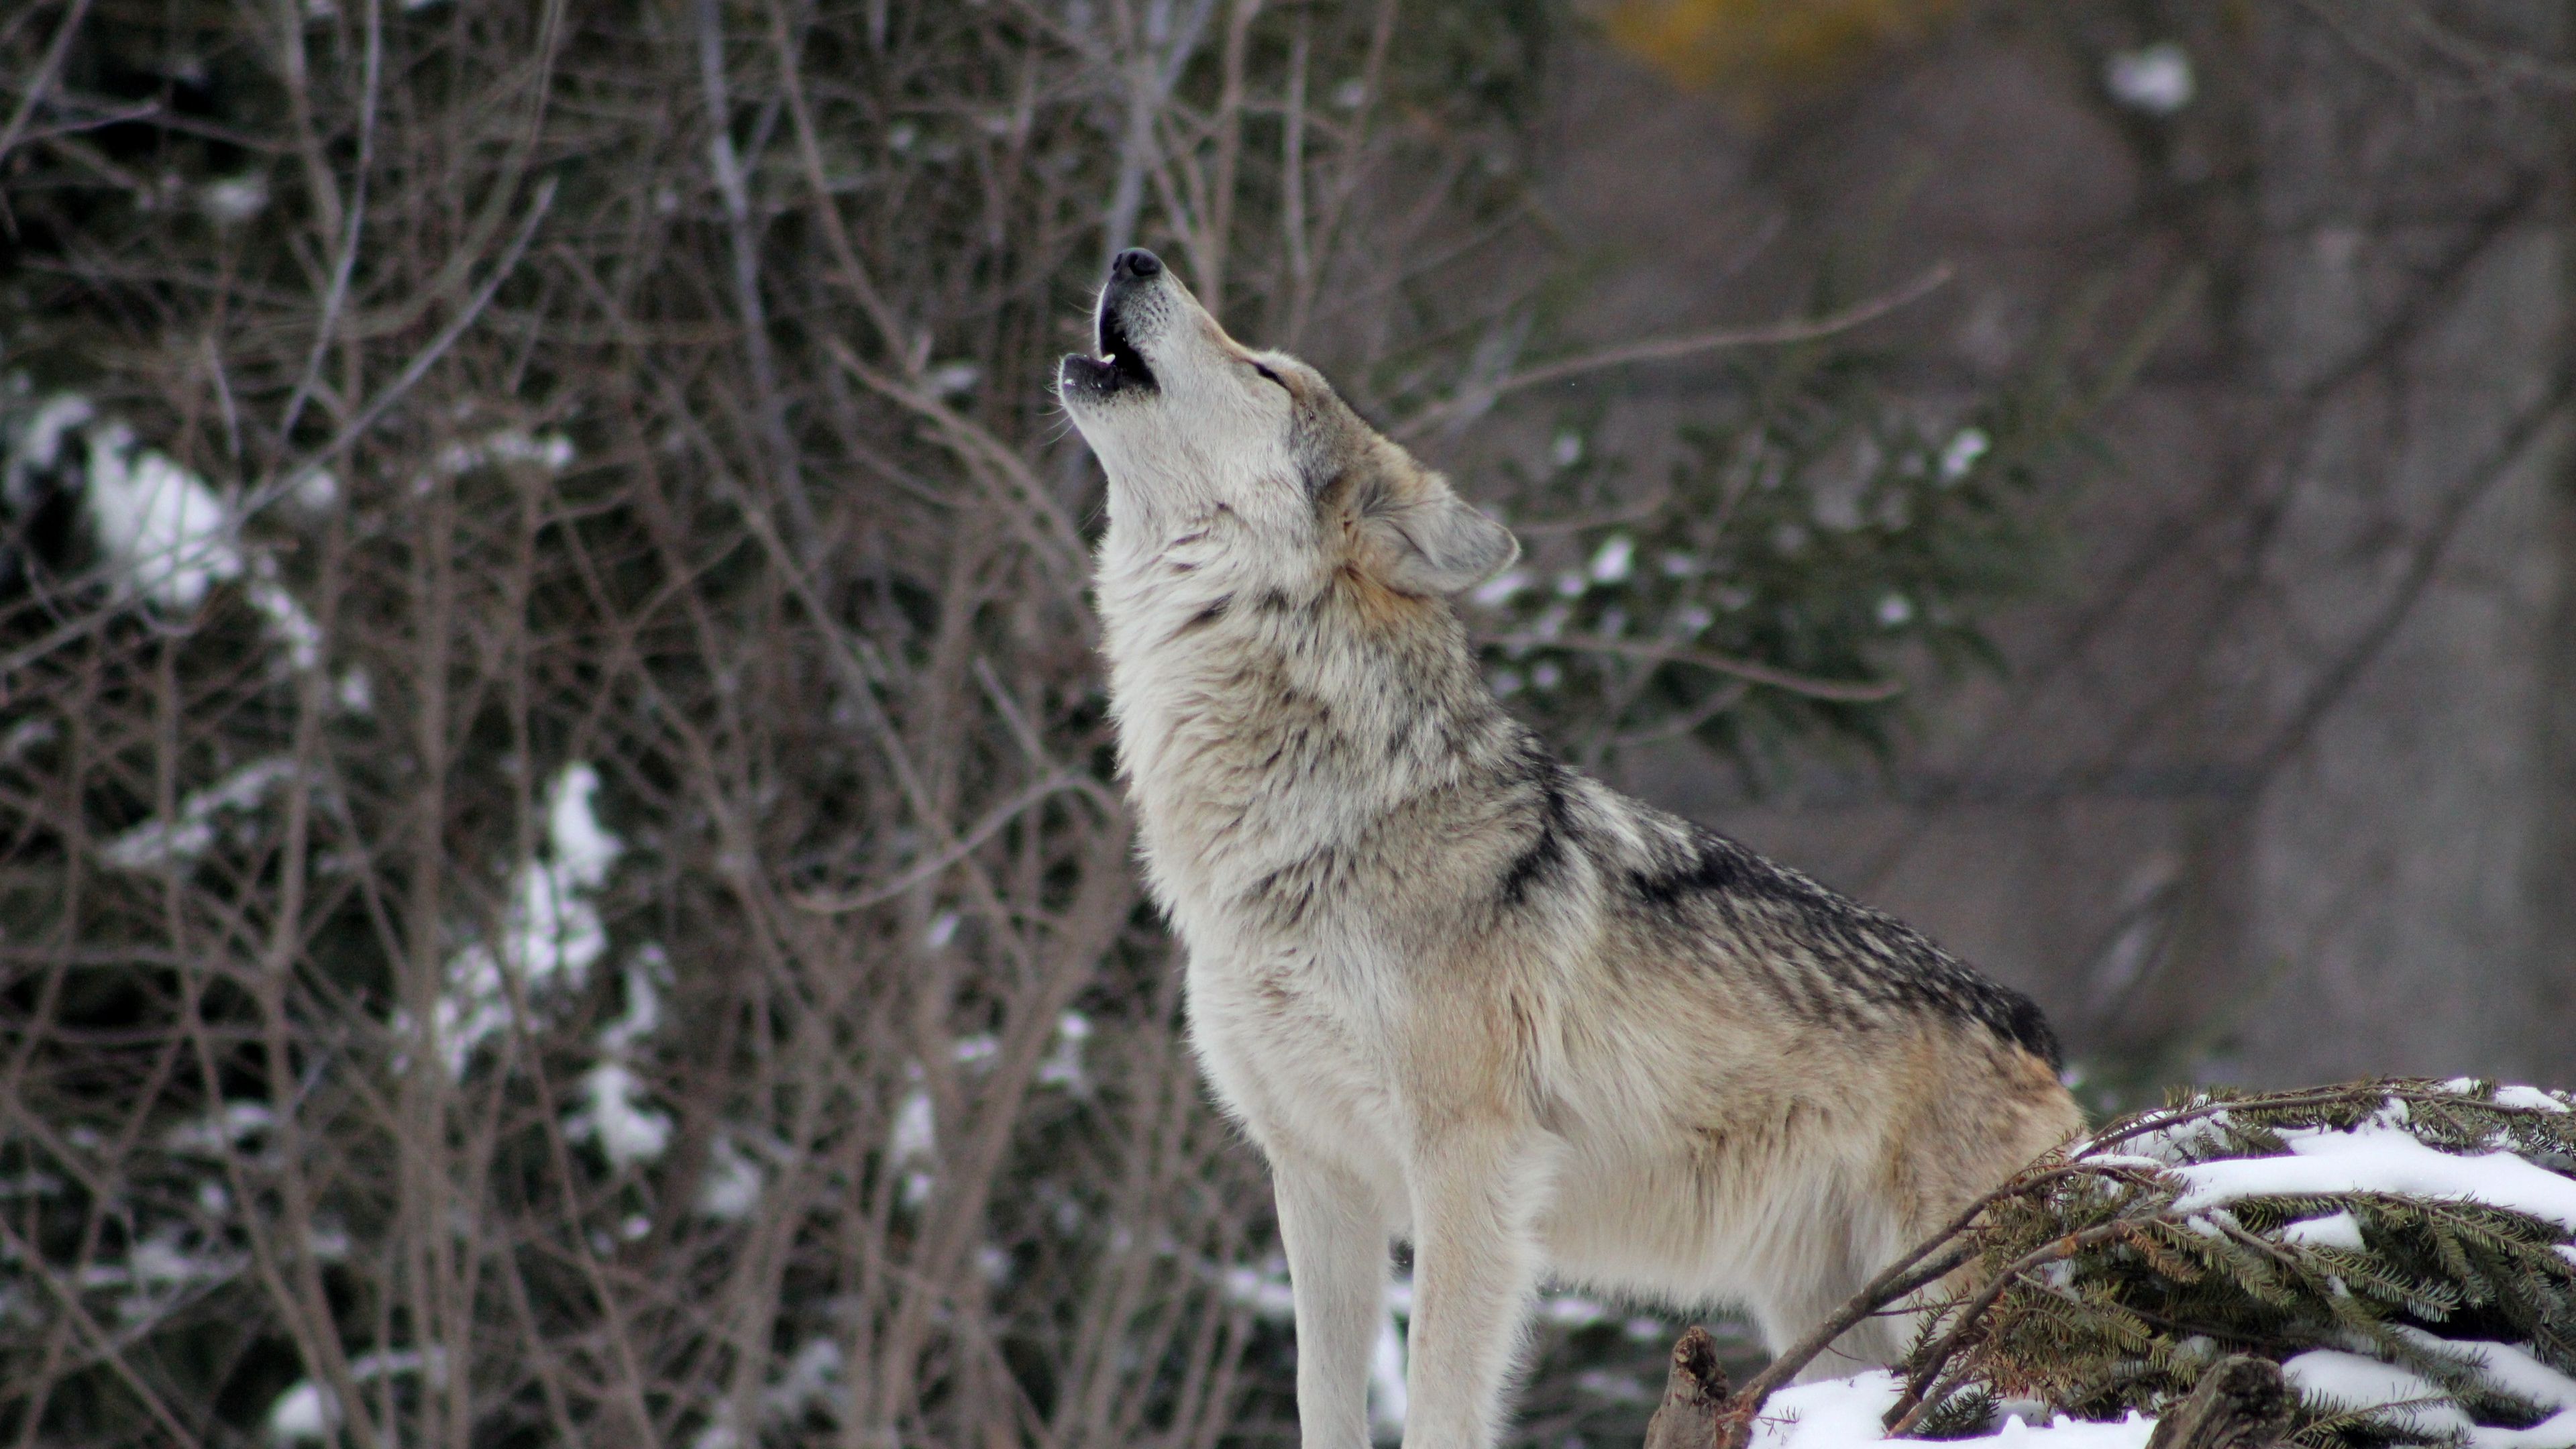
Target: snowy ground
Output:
{"points": [[1842, 1412], [1839, 1412]]}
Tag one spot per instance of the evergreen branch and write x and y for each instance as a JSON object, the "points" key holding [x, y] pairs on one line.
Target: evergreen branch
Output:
{"points": [[2129, 1322], [1909, 1404]]}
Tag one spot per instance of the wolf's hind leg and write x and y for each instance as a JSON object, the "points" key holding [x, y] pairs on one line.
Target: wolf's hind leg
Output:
{"points": [[1337, 1274], [1475, 1262]]}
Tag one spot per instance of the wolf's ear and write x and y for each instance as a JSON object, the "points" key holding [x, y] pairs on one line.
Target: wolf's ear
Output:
{"points": [[1440, 545]]}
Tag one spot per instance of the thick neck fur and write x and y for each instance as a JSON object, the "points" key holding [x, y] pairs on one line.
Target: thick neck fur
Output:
{"points": [[1276, 704]]}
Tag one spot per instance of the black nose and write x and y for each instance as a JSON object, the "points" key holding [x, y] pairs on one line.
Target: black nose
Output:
{"points": [[1135, 262]]}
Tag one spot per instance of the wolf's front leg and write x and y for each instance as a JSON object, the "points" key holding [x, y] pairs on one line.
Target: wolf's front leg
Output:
{"points": [[1475, 1262], [1337, 1272]]}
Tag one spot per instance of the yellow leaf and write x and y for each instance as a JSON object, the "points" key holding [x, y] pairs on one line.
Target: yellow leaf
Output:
{"points": [[1760, 48]]}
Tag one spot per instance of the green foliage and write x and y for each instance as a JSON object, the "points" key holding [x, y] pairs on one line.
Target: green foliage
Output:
{"points": [[1817, 534], [2122, 1298]]}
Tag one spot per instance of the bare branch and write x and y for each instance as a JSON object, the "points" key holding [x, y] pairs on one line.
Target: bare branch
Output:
{"points": [[1667, 349], [1751, 671]]}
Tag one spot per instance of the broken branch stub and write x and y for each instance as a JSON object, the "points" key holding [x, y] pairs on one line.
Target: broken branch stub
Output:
{"points": [[1695, 1394], [2242, 1403]]}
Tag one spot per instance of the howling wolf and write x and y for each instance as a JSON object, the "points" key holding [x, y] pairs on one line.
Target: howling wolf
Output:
{"points": [[1459, 993]]}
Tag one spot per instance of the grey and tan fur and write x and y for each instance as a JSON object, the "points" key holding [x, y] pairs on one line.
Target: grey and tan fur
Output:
{"points": [[1459, 993]]}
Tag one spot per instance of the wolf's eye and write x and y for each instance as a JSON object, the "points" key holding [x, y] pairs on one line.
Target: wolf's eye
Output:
{"points": [[1266, 372]]}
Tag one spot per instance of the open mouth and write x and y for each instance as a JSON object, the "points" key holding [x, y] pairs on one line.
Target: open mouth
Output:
{"points": [[1125, 365], [1120, 368]]}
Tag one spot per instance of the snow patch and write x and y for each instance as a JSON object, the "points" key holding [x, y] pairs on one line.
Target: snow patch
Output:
{"points": [[730, 1190], [167, 535], [915, 1131], [551, 930], [1961, 454], [26, 735], [1501, 588], [2322, 1161], [812, 1377], [1387, 1400], [1571, 1310], [2156, 78], [315, 490], [915, 1142], [234, 199], [1063, 1066], [2414, 1403], [943, 929], [1263, 1289], [165, 532], [552, 452], [2507, 1367], [188, 836], [220, 1131], [303, 1412], [287, 622], [1839, 1413], [614, 1116], [38, 445], [307, 1411], [2334, 1230], [2530, 1099], [1615, 560]]}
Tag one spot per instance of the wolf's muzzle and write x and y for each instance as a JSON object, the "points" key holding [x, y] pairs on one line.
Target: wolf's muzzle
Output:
{"points": [[1120, 367]]}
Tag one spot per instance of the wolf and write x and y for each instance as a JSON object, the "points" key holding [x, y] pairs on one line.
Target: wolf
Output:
{"points": [[1458, 993]]}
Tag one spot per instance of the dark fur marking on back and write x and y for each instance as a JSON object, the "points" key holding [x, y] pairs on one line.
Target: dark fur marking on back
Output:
{"points": [[1711, 867], [1544, 858], [1842, 952]]}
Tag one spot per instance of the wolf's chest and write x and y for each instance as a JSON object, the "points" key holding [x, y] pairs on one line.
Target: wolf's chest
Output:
{"points": [[1296, 1048]]}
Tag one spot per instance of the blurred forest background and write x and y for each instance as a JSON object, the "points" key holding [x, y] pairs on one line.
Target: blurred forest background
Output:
{"points": [[559, 873]]}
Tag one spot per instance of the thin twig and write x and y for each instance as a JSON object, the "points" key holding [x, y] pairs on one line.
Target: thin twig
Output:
{"points": [[1752, 671], [421, 362], [1910, 1404], [1688, 344], [43, 80]]}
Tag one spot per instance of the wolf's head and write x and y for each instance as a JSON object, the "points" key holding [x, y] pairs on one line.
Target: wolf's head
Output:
{"points": [[1254, 455]]}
